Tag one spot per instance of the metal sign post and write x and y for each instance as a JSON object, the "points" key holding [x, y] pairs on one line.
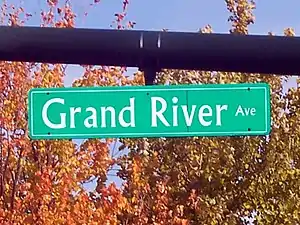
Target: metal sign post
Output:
{"points": [[152, 50]]}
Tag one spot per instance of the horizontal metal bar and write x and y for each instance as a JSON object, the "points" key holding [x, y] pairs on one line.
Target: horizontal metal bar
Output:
{"points": [[144, 49]]}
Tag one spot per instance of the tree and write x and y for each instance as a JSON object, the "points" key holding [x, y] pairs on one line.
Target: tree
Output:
{"points": [[41, 182], [166, 180], [219, 180]]}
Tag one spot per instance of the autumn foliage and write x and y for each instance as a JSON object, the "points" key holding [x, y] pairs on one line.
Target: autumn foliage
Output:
{"points": [[177, 181]]}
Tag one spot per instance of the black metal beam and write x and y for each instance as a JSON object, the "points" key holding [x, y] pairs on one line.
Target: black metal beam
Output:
{"points": [[152, 49]]}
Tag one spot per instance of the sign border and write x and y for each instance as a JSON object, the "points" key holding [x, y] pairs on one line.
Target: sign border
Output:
{"points": [[182, 87]]}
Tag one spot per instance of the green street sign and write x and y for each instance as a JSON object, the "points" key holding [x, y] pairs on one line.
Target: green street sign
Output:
{"points": [[149, 111]]}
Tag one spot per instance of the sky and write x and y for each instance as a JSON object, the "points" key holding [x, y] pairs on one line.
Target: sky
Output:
{"points": [[176, 15], [190, 16]]}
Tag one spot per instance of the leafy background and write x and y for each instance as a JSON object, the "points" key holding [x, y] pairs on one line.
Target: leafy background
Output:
{"points": [[165, 181]]}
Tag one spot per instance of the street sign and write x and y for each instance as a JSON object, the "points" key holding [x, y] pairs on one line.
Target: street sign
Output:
{"points": [[149, 111]]}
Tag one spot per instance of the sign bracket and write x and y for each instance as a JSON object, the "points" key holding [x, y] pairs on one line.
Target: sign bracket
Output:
{"points": [[150, 67], [149, 74]]}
